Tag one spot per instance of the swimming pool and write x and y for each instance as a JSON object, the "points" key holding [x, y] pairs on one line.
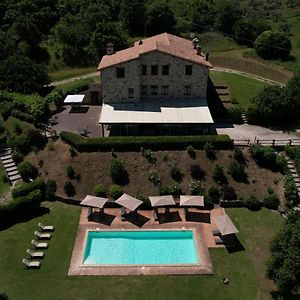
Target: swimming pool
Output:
{"points": [[155, 247]]}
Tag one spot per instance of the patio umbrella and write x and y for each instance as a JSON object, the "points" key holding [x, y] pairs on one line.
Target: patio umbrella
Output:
{"points": [[189, 200], [129, 202], [225, 225], [94, 201], [161, 200]]}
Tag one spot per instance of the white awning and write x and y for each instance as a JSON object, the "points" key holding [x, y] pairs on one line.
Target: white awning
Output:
{"points": [[129, 202], [74, 99], [164, 200], [189, 200], [182, 111], [225, 225], [94, 201]]}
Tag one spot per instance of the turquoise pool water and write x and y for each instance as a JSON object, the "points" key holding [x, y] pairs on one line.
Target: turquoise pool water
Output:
{"points": [[140, 248]]}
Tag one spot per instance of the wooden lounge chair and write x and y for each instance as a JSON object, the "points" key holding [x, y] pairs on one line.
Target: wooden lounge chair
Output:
{"points": [[41, 235], [123, 214], [31, 264], [219, 241], [38, 244], [35, 254], [155, 216], [46, 227], [216, 232]]}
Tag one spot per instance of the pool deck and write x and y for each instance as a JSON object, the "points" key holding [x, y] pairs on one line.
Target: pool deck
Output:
{"points": [[201, 224]]}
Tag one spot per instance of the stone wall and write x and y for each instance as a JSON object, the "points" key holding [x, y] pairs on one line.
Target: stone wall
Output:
{"points": [[116, 89]]}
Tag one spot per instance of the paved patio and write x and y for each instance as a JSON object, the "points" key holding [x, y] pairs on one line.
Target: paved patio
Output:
{"points": [[75, 121], [201, 224]]}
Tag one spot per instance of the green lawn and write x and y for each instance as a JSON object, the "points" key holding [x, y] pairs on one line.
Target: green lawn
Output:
{"points": [[75, 83], [245, 269], [241, 88], [66, 73]]}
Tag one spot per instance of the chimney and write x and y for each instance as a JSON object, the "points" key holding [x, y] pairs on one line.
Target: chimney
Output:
{"points": [[195, 43], [110, 48], [199, 48], [140, 42], [206, 56]]}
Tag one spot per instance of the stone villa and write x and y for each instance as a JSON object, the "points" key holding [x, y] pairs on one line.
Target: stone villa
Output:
{"points": [[156, 87]]}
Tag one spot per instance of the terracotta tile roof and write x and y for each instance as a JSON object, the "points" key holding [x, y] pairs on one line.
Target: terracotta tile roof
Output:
{"points": [[165, 42]]}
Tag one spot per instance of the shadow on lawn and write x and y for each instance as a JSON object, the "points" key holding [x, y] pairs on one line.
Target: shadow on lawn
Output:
{"points": [[232, 243], [25, 217]]}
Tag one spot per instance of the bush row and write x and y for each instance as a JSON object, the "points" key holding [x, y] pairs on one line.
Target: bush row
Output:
{"points": [[135, 143], [15, 209], [26, 188]]}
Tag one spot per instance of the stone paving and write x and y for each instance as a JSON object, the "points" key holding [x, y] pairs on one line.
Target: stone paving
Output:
{"points": [[201, 222]]}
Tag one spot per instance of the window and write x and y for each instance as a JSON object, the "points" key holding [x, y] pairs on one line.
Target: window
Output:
{"points": [[188, 70], [120, 72], [130, 93], [154, 70], [144, 70], [153, 89], [165, 70], [165, 90], [144, 90], [187, 90]]}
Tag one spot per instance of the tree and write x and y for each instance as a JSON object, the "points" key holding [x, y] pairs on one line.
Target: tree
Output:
{"points": [[203, 16], [273, 45], [284, 265], [21, 74], [293, 96], [160, 18]]}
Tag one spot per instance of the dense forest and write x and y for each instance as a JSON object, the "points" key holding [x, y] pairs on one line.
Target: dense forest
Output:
{"points": [[76, 32]]}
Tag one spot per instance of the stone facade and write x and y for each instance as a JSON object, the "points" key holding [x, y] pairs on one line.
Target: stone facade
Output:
{"points": [[135, 86]]}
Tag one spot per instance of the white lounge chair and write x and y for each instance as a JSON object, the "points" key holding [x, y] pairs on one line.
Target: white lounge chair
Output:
{"points": [[41, 235], [35, 254], [219, 241], [31, 264], [46, 227], [216, 232], [38, 244], [123, 214]]}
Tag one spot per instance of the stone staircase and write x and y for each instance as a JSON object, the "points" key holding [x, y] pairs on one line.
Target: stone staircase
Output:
{"points": [[9, 164], [243, 116]]}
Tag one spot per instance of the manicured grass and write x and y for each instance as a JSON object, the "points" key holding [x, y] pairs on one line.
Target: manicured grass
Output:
{"points": [[241, 88], [71, 84], [245, 269], [71, 72]]}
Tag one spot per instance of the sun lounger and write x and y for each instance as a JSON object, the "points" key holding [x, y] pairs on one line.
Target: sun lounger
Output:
{"points": [[35, 254], [31, 264], [38, 244], [41, 235], [46, 227], [219, 241], [155, 216], [216, 232], [123, 214]]}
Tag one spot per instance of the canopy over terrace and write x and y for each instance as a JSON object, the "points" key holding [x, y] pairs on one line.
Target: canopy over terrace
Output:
{"points": [[74, 99], [129, 202], [165, 200], [94, 201], [225, 225], [190, 200], [187, 113]]}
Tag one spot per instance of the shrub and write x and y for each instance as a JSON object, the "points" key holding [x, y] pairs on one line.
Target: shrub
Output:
{"points": [[17, 128], [197, 172], [36, 139], [51, 146], [252, 203], [237, 171], [176, 173], [50, 190], [25, 188], [174, 190], [214, 194], [4, 178], [271, 201], [19, 143], [22, 116], [6, 112], [238, 155], [228, 193], [17, 157], [134, 143], [290, 191], [70, 172], [99, 190], [191, 151], [118, 172], [148, 154], [115, 191], [72, 151], [154, 178], [208, 202], [210, 150], [218, 174], [27, 170], [196, 188], [69, 189]]}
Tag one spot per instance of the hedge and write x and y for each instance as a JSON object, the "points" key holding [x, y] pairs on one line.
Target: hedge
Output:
{"points": [[16, 209], [26, 188], [22, 116], [134, 143]]}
